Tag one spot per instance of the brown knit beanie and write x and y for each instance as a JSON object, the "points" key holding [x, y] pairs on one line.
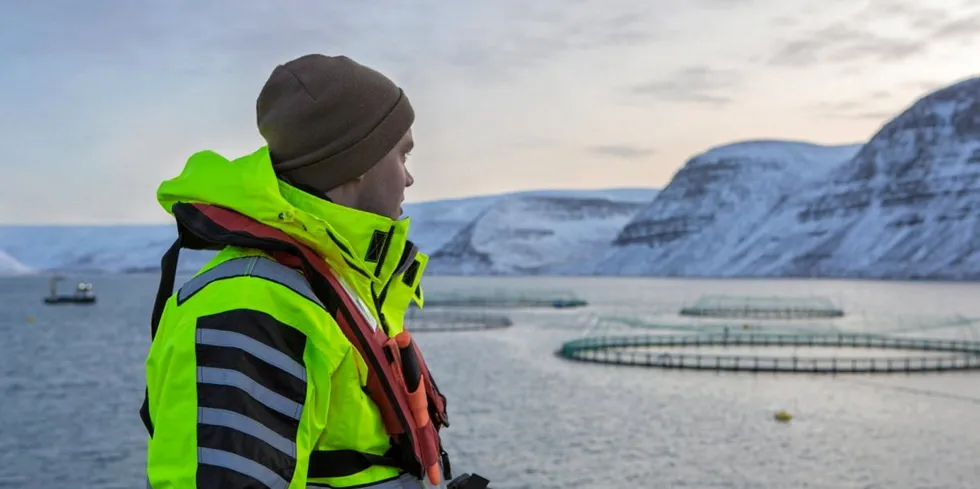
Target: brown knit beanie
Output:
{"points": [[328, 119]]}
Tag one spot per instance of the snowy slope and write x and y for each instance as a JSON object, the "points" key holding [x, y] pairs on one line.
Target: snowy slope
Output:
{"points": [[553, 232], [114, 249], [92, 248], [9, 266], [907, 205], [435, 223], [714, 203]]}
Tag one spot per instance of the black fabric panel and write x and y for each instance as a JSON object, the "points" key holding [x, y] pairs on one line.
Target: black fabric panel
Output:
{"points": [[409, 277], [265, 374], [247, 446], [213, 477], [261, 327], [236, 400]]}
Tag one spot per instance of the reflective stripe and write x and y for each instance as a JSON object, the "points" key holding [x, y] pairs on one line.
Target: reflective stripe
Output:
{"points": [[405, 481], [242, 465], [409, 260], [359, 303], [249, 266], [244, 424], [250, 392], [234, 378], [231, 339]]}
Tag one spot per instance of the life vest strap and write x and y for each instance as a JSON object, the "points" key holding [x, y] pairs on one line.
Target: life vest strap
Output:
{"points": [[168, 273], [343, 463]]}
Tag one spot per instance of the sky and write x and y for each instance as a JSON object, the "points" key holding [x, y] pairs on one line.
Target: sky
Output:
{"points": [[104, 100]]}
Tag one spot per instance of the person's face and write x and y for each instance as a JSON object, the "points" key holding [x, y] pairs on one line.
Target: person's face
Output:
{"points": [[382, 189]]}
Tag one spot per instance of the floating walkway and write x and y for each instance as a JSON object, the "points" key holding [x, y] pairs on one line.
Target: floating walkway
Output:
{"points": [[724, 306], [641, 351], [427, 320], [505, 299], [732, 327]]}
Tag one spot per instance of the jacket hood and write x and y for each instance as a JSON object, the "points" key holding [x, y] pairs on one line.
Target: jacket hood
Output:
{"points": [[366, 243]]}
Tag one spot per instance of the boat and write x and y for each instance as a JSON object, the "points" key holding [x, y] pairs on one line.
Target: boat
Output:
{"points": [[83, 294]]}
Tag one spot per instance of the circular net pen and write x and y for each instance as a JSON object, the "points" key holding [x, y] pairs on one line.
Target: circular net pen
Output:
{"points": [[418, 320], [505, 298], [609, 322], [667, 351], [725, 306]]}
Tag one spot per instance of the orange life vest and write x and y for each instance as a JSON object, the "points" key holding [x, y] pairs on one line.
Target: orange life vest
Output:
{"points": [[398, 379]]}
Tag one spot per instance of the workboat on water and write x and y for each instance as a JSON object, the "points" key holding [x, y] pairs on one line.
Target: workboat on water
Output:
{"points": [[83, 294]]}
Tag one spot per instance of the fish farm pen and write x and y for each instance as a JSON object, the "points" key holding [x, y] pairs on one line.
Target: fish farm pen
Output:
{"points": [[661, 351], [723, 306], [610, 322], [418, 320], [505, 299]]}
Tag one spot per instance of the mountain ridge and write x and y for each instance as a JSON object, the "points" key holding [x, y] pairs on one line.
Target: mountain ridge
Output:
{"points": [[903, 205]]}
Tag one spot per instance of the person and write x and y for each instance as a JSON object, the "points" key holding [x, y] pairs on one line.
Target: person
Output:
{"points": [[284, 363]]}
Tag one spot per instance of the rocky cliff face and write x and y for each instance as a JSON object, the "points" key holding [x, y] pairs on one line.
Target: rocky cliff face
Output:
{"points": [[904, 205], [713, 204]]}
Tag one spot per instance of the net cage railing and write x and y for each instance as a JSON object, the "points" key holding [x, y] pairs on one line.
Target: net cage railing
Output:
{"points": [[723, 306], [624, 350], [664, 324], [417, 320], [504, 298], [657, 320]]}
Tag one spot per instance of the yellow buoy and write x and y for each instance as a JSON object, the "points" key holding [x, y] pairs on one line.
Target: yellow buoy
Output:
{"points": [[30, 319], [782, 416]]}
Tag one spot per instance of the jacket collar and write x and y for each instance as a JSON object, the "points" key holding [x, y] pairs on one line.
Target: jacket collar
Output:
{"points": [[351, 241], [374, 246]]}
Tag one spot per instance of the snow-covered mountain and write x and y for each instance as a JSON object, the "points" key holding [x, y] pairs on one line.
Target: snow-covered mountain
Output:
{"points": [[713, 202], [904, 205], [540, 232], [115, 249], [435, 223], [10, 266], [91, 248]]}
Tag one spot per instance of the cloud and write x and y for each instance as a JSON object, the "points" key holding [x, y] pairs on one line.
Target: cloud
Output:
{"points": [[785, 21], [723, 4], [697, 84], [878, 115], [839, 106], [875, 115], [963, 29], [490, 42], [624, 151], [862, 108], [925, 86], [843, 43], [855, 41], [916, 15]]}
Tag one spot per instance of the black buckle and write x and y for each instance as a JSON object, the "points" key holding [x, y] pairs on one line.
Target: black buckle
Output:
{"points": [[468, 481], [447, 470]]}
